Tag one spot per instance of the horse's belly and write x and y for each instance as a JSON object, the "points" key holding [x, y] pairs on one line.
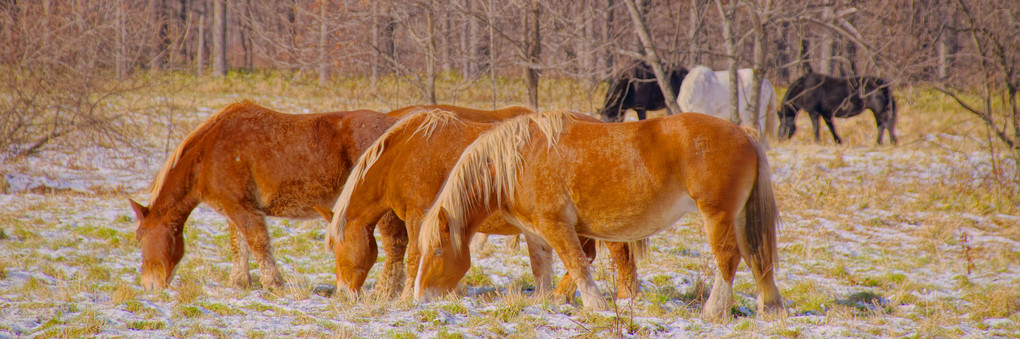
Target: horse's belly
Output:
{"points": [[640, 220]]}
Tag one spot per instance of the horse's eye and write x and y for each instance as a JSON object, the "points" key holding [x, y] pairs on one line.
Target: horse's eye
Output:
{"points": [[438, 252]]}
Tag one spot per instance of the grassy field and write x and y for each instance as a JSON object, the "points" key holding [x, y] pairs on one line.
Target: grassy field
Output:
{"points": [[918, 240]]}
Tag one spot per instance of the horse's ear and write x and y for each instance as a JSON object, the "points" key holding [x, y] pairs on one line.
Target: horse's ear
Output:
{"points": [[140, 211], [324, 212]]}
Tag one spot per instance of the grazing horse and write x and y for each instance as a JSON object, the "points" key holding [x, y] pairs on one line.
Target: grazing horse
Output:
{"points": [[561, 178], [248, 162], [637, 89], [403, 172], [825, 96], [705, 91]]}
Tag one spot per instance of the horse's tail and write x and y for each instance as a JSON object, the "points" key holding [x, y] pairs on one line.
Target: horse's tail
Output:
{"points": [[486, 170], [762, 221], [426, 120], [892, 106], [172, 161]]}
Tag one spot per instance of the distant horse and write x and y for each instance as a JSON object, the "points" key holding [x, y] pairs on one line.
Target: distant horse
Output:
{"points": [[825, 96], [705, 91], [562, 178], [248, 162], [403, 172], [637, 89]]}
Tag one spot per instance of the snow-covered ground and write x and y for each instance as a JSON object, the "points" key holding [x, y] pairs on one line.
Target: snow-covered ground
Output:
{"points": [[871, 246]]}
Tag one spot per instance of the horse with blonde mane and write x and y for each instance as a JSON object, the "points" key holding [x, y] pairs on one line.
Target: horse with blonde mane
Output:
{"points": [[476, 115], [402, 172], [561, 178], [248, 162]]}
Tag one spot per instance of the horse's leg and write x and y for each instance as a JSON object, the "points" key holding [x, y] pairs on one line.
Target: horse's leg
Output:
{"points": [[563, 239], [828, 122], [478, 242], [239, 275], [891, 126], [255, 231], [394, 241], [879, 125], [719, 225], [641, 114], [626, 269], [413, 223], [566, 288], [886, 125], [814, 123], [541, 262]]}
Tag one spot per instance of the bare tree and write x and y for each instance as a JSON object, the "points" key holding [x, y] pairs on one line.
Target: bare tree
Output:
{"points": [[729, 15], [651, 57], [533, 50], [219, 37], [992, 30]]}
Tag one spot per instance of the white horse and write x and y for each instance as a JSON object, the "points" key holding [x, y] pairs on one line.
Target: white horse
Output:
{"points": [[705, 91]]}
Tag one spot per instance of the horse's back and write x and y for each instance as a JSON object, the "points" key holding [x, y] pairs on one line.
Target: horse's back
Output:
{"points": [[702, 91], [472, 114], [666, 163], [283, 162]]}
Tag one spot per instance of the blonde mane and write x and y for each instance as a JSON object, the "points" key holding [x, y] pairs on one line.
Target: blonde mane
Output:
{"points": [[487, 168], [427, 121], [156, 188]]}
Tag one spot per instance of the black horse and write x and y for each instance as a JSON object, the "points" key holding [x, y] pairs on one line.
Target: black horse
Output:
{"points": [[825, 96], [637, 89]]}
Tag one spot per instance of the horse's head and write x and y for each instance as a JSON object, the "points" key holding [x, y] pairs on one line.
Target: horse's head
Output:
{"points": [[611, 114], [787, 121], [162, 244], [442, 265]]}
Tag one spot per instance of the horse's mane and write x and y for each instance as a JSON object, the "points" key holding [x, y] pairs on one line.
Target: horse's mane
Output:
{"points": [[172, 161], [487, 168], [427, 121]]}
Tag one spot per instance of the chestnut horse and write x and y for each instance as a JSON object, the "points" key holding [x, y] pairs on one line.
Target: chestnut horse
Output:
{"points": [[402, 172], [562, 178], [264, 181], [248, 162]]}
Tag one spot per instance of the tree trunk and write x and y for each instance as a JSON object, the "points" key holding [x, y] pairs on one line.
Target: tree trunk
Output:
{"points": [[247, 43], [492, 52], [161, 13], [826, 48], [758, 68], [533, 47], [606, 57], [947, 43], [219, 38], [430, 54], [469, 43], [652, 58], [323, 46], [120, 58], [697, 19], [728, 15], [200, 59]]}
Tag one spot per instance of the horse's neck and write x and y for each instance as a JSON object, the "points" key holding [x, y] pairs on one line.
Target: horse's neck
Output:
{"points": [[178, 196]]}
